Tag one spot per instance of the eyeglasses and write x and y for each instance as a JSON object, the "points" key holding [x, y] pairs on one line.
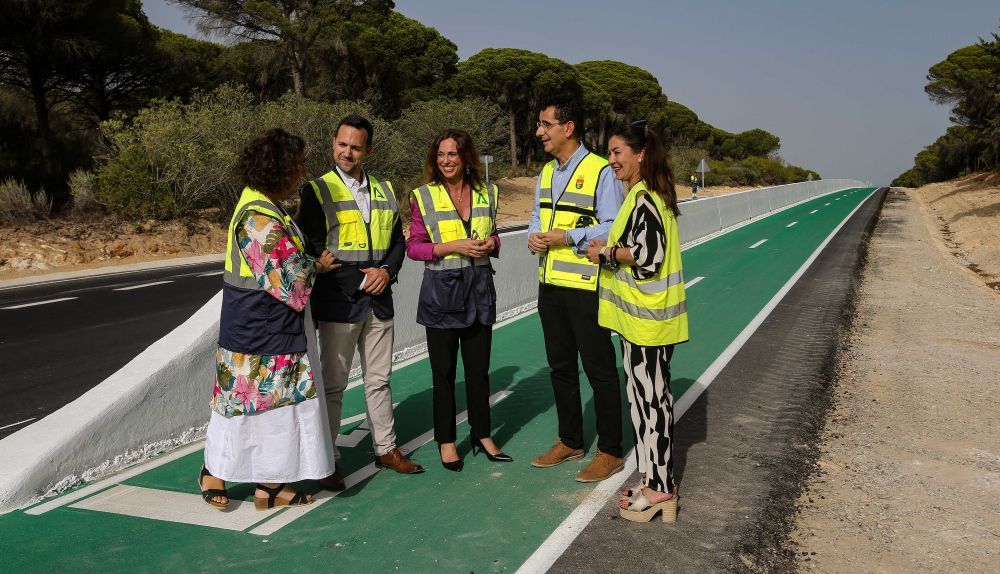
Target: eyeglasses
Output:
{"points": [[546, 125]]}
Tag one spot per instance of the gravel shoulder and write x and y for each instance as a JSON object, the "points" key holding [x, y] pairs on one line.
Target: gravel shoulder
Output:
{"points": [[908, 474]]}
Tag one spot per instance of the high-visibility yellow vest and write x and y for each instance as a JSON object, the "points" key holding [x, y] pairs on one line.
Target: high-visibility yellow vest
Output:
{"points": [[348, 236], [569, 208], [444, 224], [238, 273], [649, 312]]}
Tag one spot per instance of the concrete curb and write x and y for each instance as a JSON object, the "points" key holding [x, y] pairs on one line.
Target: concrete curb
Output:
{"points": [[157, 396]]}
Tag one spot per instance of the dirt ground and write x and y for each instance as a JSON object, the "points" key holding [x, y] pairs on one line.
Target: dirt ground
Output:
{"points": [[908, 478], [89, 241]]}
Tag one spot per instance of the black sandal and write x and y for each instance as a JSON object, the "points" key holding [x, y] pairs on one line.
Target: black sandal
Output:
{"points": [[273, 501], [210, 494]]}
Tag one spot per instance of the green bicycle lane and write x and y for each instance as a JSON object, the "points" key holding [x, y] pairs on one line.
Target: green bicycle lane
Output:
{"points": [[488, 518]]}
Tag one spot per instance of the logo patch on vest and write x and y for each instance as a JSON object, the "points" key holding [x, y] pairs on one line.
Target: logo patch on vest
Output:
{"points": [[579, 183], [481, 198], [379, 195]]}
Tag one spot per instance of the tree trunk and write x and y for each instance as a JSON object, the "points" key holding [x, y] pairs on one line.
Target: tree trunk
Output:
{"points": [[513, 141], [297, 78]]}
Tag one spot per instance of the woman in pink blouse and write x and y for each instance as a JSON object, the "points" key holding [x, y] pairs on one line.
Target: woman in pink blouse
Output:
{"points": [[453, 231]]}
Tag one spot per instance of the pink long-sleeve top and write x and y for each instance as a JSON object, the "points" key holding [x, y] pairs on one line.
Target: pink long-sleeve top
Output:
{"points": [[419, 246]]}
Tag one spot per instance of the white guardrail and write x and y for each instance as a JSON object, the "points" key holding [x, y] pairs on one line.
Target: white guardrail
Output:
{"points": [[159, 400]]}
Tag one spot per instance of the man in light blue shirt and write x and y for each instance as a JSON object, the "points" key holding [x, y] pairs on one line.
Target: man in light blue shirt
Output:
{"points": [[577, 206]]}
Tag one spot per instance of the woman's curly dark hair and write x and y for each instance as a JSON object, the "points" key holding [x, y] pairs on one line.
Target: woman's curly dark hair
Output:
{"points": [[272, 160]]}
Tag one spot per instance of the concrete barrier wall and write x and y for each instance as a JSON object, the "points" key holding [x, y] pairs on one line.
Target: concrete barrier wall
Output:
{"points": [[160, 399]]}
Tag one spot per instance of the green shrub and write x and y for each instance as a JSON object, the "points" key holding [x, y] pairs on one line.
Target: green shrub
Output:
{"points": [[82, 191], [15, 201], [420, 124]]}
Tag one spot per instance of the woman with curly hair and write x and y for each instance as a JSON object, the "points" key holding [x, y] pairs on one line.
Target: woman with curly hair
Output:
{"points": [[267, 426]]}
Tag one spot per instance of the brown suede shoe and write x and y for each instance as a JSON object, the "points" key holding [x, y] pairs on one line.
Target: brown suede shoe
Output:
{"points": [[396, 460], [558, 454], [334, 482], [603, 466]]}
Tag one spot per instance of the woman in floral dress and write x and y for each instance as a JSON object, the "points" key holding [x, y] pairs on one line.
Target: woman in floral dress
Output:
{"points": [[267, 426]]}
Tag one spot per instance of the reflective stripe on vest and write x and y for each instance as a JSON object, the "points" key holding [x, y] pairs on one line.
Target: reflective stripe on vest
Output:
{"points": [[650, 312], [348, 236], [574, 206], [238, 272], [443, 223]]}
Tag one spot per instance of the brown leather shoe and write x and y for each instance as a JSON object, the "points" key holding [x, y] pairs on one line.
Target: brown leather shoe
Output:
{"points": [[334, 482], [396, 460], [558, 454], [602, 466]]}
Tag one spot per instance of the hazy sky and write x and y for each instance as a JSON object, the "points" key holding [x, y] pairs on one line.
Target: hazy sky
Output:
{"points": [[840, 82]]}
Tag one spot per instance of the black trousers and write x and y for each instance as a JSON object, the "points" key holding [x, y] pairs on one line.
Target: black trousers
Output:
{"points": [[569, 324], [442, 349]]}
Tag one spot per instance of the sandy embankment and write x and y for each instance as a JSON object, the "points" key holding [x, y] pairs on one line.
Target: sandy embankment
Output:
{"points": [[908, 478]]}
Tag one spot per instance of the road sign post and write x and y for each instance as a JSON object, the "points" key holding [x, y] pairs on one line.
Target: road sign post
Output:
{"points": [[487, 160], [703, 167]]}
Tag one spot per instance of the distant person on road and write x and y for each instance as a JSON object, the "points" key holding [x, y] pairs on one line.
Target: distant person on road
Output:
{"points": [[694, 186], [453, 231], [576, 199], [642, 299], [353, 214], [267, 426]]}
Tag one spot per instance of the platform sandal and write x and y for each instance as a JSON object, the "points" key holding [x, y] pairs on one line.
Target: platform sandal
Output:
{"points": [[210, 494], [641, 510], [272, 500], [630, 493]]}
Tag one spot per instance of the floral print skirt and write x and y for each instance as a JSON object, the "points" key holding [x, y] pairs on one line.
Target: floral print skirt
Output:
{"points": [[247, 384]]}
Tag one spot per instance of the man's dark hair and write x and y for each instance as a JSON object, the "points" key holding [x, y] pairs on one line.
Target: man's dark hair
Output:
{"points": [[359, 123], [567, 109]]}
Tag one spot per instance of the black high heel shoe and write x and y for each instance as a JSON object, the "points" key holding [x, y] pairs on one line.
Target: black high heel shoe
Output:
{"points": [[477, 445], [454, 466]]}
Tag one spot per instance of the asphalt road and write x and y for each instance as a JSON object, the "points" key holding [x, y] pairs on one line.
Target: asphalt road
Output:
{"points": [[60, 339]]}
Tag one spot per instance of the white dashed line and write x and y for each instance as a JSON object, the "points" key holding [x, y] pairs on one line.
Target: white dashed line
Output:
{"points": [[792, 224], [826, 204], [18, 423], [211, 273], [758, 244], [692, 283], [23, 305], [143, 285], [813, 211]]}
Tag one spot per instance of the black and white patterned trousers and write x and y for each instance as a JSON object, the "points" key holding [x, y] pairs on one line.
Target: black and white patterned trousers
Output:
{"points": [[651, 407]]}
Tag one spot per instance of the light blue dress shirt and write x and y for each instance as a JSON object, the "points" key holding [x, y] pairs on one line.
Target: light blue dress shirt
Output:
{"points": [[610, 195]]}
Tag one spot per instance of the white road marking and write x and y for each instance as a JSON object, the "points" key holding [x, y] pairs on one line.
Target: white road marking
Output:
{"points": [[758, 244], [358, 417], [190, 508], [23, 305], [825, 204], [294, 513], [792, 224], [545, 556], [211, 273], [813, 211], [692, 283], [141, 286], [113, 480], [18, 423], [172, 507]]}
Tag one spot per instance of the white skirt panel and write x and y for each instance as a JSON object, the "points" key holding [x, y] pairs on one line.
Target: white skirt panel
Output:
{"points": [[285, 444]]}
